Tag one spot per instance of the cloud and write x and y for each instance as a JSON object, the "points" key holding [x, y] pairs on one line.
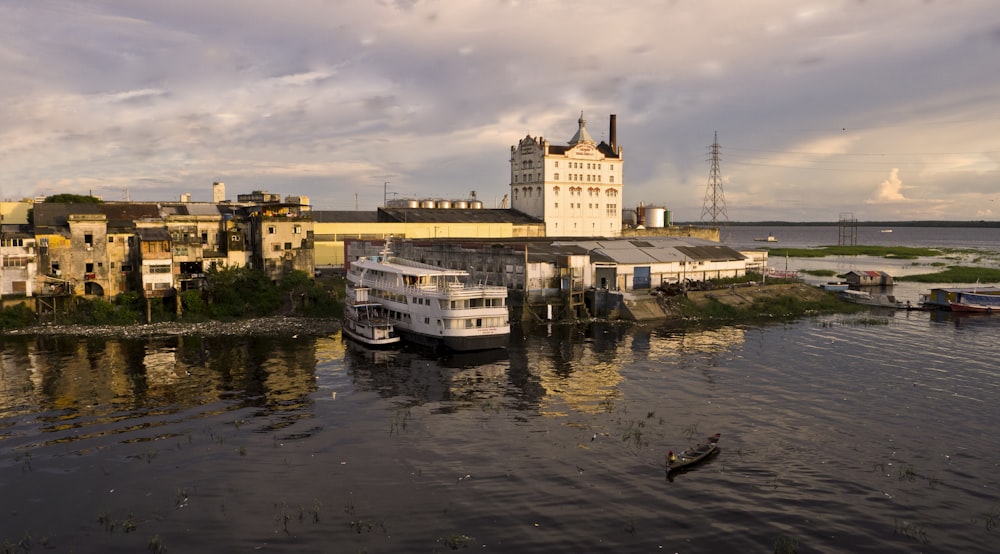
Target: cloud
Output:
{"points": [[331, 96], [889, 190]]}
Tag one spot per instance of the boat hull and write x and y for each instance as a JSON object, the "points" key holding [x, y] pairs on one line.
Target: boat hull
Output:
{"points": [[971, 308], [693, 456], [456, 343], [366, 339]]}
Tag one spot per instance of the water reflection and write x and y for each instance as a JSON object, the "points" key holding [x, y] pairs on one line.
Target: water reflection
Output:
{"points": [[552, 370], [77, 383], [421, 378]]}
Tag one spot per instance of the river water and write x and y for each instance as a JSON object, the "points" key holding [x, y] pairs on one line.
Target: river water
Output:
{"points": [[871, 432]]}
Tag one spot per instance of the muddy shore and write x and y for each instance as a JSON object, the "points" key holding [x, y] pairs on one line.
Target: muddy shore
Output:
{"points": [[265, 326]]}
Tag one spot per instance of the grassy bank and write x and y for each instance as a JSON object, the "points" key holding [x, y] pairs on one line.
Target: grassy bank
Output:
{"points": [[760, 302], [894, 252], [956, 274]]}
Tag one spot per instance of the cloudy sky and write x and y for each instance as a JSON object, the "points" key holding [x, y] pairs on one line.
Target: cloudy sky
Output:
{"points": [[886, 109]]}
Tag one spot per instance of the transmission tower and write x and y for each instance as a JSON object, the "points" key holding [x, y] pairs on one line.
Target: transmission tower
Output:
{"points": [[714, 210]]}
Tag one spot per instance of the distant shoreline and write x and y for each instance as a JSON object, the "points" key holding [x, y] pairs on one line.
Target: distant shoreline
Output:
{"points": [[883, 224]]}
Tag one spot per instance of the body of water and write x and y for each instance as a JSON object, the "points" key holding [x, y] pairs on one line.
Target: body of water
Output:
{"points": [[873, 432]]}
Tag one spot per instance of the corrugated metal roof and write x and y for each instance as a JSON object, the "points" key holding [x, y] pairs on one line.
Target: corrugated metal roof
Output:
{"points": [[341, 216], [153, 234], [658, 249]]}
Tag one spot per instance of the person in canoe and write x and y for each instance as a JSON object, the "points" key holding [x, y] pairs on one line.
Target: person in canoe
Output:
{"points": [[694, 454]]}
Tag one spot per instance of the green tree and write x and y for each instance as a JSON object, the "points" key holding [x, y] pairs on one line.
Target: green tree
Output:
{"points": [[66, 198]]}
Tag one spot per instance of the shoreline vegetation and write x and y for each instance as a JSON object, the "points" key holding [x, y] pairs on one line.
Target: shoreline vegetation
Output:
{"points": [[950, 273]]}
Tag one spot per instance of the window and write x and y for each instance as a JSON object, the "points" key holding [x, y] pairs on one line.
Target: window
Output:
{"points": [[111, 240], [89, 268], [204, 237], [612, 178], [557, 165], [288, 246], [556, 176], [89, 239], [297, 229], [276, 247], [270, 230]]}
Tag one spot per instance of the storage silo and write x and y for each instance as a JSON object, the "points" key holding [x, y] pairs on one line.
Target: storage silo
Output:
{"points": [[460, 204], [443, 204], [655, 217], [476, 204], [427, 204]]}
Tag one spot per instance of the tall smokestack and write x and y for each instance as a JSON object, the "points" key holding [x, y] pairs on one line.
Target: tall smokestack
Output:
{"points": [[614, 132]]}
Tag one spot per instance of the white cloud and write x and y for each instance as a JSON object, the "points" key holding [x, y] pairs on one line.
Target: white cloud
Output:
{"points": [[889, 190]]}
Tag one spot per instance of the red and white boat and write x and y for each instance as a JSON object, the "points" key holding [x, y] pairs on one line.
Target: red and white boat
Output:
{"points": [[973, 302]]}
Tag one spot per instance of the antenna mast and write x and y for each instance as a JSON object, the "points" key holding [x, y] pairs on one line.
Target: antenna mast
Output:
{"points": [[714, 209]]}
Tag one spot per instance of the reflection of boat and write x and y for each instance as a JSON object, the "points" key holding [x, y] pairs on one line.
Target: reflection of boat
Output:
{"points": [[768, 238], [365, 321], [693, 455], [869, 299], [434, 306], [972, 302]]}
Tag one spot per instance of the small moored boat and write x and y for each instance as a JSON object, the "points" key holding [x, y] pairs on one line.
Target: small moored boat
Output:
{"points": [[694, 454], [869, 299], [365, 321], [979, 303]]}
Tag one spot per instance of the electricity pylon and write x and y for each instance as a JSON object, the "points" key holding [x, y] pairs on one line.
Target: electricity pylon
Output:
{"points": [[714, 209]]}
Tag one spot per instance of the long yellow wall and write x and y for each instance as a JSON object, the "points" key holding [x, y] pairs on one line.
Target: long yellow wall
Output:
{"points": [[15, 212], [329, 237]]}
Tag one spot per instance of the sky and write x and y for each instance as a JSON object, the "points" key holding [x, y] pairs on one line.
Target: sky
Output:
{"points": [[880, 110]]}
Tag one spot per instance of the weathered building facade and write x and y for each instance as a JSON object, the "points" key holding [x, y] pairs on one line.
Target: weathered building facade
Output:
{"points": [[576, 189]]}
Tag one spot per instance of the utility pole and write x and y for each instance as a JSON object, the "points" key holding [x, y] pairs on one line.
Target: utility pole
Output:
{"points": [[714, 209]]}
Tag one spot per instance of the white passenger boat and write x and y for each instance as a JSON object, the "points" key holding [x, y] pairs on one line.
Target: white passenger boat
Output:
{"points": [[433, 306], [365, 321]]}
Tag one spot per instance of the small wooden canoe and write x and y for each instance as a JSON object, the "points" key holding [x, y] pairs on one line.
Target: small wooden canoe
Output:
{"points": [[693, 455]]}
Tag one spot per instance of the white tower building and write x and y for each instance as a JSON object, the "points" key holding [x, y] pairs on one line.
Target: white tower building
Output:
{"points": [[575, 189]]}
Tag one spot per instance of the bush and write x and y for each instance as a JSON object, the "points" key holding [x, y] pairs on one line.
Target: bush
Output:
{"points": [[193, 303], [16, 316], [102, 312]]}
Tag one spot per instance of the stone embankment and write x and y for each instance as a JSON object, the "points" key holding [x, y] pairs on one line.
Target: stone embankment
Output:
{"points": [[265, 326]]}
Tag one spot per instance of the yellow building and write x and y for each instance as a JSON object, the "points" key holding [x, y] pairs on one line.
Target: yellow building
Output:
{"points": [[333, 228]]}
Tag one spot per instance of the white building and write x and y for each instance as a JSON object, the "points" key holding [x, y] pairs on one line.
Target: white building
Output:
{"points": [[575, 189]]}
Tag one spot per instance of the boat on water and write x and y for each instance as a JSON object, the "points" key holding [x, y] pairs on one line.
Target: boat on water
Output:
{"points": [[869, 299], [834, 287], [365, 321], [433, 306], [886, 231], [693, 455], [768, 238], [977, 303]]}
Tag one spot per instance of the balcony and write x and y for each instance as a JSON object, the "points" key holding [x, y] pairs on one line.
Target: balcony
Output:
{"points": [[89, 276]]}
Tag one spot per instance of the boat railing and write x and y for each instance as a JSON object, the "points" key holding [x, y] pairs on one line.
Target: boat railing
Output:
{"points": [[450, 286]]}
